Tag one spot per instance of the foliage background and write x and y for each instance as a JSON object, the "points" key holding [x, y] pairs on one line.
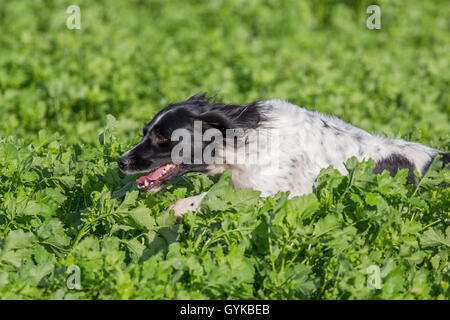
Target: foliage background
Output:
{"points": [[63, 200]]}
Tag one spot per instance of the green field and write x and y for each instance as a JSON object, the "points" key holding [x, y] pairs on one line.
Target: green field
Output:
{"points": [[71, 101]]}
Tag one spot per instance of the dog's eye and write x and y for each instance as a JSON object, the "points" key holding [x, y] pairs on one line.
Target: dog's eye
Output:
{"points": [[159, 137], [161, 140]]}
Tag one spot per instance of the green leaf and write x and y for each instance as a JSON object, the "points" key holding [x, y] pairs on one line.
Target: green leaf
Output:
{"points": [[301, 207], [142, 218], [53, 237], [373, 199], [223, 197], [325, 225], [433, 237]]}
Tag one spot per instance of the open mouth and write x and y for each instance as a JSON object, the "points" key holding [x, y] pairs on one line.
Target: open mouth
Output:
{"points": [[156, 177]]}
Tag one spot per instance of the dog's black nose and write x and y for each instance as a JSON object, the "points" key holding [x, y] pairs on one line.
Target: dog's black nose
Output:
{"points": [[122, 162]]}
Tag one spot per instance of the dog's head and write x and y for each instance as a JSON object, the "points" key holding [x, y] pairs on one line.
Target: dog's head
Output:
{"points": [[154, 153]]}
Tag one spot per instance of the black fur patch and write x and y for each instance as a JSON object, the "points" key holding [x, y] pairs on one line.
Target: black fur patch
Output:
{"points": [[445, 158], [395, 162]]}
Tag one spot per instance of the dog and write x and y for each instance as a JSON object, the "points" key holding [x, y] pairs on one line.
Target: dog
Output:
{"points": [[304, 142]]}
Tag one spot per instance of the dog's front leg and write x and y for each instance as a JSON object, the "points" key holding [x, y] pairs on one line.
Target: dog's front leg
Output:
{"points": [[187, 204]]}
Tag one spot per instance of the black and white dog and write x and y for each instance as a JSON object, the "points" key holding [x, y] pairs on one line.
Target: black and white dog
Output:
{"points": [[304, 143]]}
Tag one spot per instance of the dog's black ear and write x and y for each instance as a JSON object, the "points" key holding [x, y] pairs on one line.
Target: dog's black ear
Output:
{"points": [[217, 120], [222, 117]]}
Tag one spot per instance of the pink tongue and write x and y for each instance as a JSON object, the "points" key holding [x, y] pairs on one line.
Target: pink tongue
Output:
{"points": [[155, 175]]}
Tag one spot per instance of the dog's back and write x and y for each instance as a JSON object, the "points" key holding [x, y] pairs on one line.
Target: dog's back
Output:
{"points": [[308, 142]]}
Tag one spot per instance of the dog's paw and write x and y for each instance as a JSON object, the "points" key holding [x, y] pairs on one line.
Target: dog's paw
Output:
{"points": [[180, 207]]}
